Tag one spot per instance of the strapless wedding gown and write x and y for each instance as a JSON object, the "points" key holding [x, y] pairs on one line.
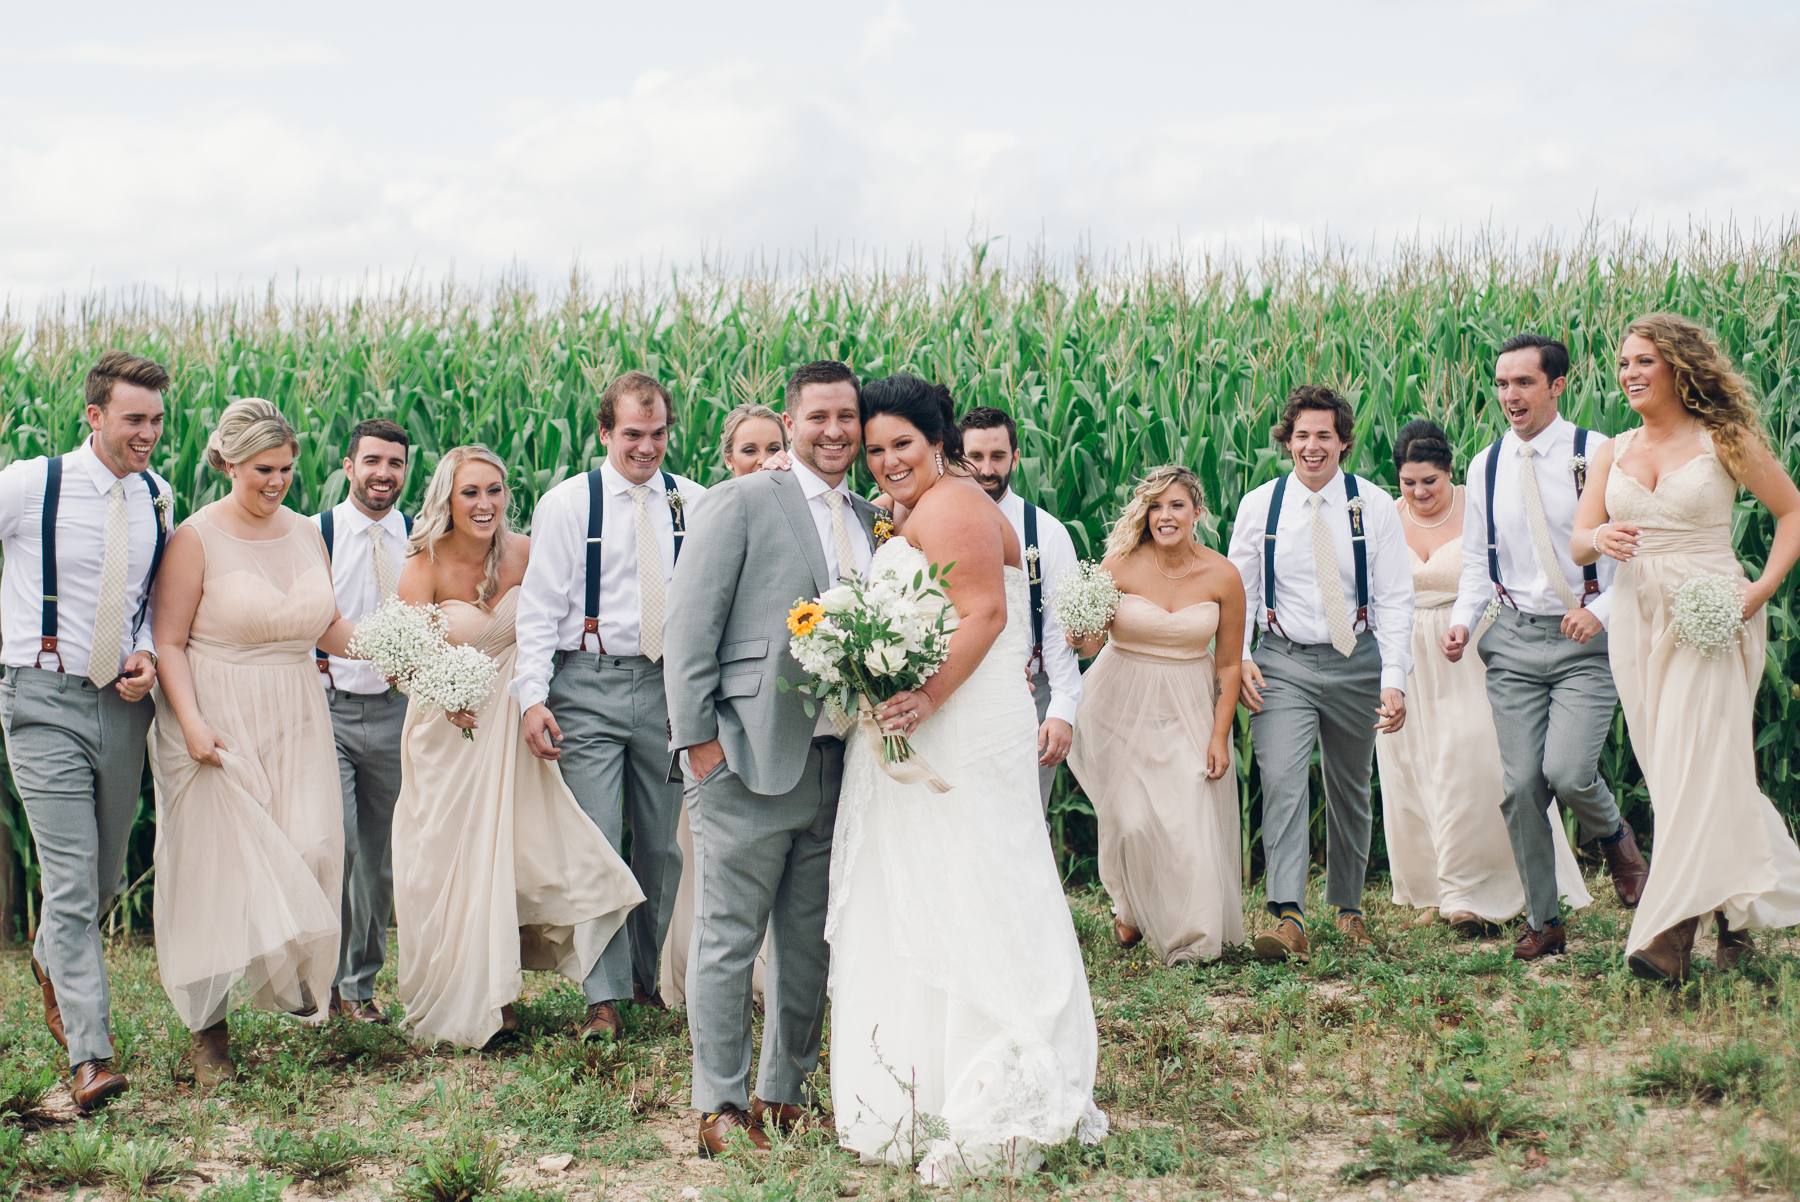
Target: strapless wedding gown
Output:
{"points": [[962, 1031], [1170, 843], [1719, 844], [496, 867]]}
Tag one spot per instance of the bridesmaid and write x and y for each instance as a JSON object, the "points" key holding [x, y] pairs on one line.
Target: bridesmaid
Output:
{"points": [[753, 434], [249, 825], [496, 867], [1153, 735], [1660, 501], [1448, 849]]}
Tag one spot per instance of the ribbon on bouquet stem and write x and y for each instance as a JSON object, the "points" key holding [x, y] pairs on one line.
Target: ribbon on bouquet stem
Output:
{"points": [[905, 766]]}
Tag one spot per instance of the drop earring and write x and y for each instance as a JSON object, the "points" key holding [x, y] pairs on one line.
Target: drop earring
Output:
{"points": [[940, 463]]}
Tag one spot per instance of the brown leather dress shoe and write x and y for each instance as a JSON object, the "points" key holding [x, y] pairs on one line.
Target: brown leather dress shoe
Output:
{"points": [[788, 1118], [95, 1084], [1287, 939], [602, 1022], [1734, 946], [652, 1000], [1629, 868], [1669, 956], [1123, 935], [211, 1055], [716, 1131], [52, 1011], [1353, 928], [1534, 944]]}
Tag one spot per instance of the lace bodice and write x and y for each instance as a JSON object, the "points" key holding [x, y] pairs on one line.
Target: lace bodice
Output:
{"points": [[490, 631], [1142, 627], [1698, 495]]}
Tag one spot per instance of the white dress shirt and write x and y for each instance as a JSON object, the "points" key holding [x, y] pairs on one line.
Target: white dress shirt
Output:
{"points": [[555, 589], [814, 489], [353, 580], [1056, 555], [1520, 572], [1299, 605], [80, 547]]}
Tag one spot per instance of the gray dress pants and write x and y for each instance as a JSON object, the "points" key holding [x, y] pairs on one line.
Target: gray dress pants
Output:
{"points": [[1314, 695], [760, 863], [77, 758], [1553, 701], [1040, 685], [614, 718], [368, 728]]}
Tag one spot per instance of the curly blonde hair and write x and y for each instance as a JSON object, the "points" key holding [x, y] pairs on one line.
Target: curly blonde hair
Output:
{"points": [[1132, 529], [735, 420], [1711, 389], [434, 515]]}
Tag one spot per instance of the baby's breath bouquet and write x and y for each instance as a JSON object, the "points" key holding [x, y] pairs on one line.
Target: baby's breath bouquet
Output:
{"points": [[1706, 612], [409, 646], [456, 680], [1086, 599], [863, 642]]}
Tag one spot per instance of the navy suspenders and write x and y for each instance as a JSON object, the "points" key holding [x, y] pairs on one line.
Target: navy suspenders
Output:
{"points": [[1590, 575], [1359, 552], [1035, 574], [590, 606], [328, 532], [53, 474]]}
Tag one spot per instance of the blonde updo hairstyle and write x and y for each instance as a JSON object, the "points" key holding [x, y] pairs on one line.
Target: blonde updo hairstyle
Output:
{"points": [[434, 520], [246, 429], [1711, 389], [735, 420], [1132, 530]]}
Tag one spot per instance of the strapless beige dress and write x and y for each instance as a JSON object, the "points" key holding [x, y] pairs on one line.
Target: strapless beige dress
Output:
{"points": [[496, 867], [1719, 844], [1170, 850], [1440, 775], [250, 856]]}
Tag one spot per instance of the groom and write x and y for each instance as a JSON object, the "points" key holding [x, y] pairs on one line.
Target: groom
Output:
{"points": [[764, 776]]}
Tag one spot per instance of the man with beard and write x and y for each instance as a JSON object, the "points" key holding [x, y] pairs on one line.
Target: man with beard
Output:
{"points": [[83, 535], [365, 536], [991, 446]]}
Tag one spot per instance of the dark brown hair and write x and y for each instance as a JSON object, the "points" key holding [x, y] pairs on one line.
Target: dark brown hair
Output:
{"points": [[114, 366], [637, 386], [986, 417], [1553, 356], [1317, 397], [1422, 440], [378, 428], [927, 406], [819, 371]]}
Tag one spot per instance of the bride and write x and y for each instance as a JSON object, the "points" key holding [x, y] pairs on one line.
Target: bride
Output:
{"points": [[962, 1029]]}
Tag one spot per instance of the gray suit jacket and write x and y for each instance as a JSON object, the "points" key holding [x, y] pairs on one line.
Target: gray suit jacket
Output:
{"points": [[752, 551]]}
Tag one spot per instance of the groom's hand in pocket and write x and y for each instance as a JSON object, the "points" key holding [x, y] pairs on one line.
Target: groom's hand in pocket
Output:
{"points": [[542, 734], [704, 757]]}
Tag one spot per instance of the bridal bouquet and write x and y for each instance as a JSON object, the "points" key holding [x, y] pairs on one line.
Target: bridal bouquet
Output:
{"points": [[863, 642], [1086, 599], [409, 645], [1706, 612]]}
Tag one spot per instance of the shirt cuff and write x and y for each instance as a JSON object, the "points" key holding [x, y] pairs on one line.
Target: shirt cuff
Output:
{"points": [[1393, 677], [1601, 608], [1062, 707], [528, 691]]}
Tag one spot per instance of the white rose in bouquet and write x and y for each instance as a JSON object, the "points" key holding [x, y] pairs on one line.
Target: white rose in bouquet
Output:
{"points": [[885, 659], [838, 600]]}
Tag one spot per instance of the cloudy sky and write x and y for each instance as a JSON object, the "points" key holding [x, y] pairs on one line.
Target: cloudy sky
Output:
{"points": [[221, 144]]}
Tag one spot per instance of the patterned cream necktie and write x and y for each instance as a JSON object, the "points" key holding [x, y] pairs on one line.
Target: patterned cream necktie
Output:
{"points": [[840, 536], [650, 578], [384, 564], [1540, 527], [1331, 584], [109, 613]]}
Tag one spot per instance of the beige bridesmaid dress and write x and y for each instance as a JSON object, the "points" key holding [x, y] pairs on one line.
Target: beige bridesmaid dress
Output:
{"points": [[1719, 844], [1440, 775], [496, 867], [1170, 856], [250, 856]]}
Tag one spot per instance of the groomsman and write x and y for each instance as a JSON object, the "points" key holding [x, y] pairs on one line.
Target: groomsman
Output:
{"points": [[1325, 570], [991, 447], [1548, 677], [83, 535], [590, 670], [365, 536]]}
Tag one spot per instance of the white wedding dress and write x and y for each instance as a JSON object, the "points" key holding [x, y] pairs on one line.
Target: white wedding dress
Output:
{"points": [[962, 1032]]}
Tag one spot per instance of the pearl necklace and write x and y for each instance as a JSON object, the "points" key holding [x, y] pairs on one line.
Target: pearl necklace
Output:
{"points": [[1434, 525]]}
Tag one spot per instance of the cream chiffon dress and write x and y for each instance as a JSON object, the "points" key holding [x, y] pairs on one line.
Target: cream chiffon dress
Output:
{"points": [[250, 856], [1719, 844], [496, 867], [1170, 849], [1440, 775], [957, 985]]}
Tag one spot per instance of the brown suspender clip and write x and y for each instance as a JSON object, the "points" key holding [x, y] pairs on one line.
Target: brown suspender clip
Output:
{"points": [[49, 648], [591, 626]]}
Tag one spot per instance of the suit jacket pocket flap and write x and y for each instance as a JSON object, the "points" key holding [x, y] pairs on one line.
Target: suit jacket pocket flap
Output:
{"points": [[744, 649], [739, 684]]}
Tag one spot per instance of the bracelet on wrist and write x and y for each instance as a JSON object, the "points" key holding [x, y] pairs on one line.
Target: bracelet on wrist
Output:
{"points": [[1597, 530]]}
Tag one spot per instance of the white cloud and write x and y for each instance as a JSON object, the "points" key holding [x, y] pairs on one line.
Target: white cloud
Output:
{"points": [[886, 31], [240, 50]]}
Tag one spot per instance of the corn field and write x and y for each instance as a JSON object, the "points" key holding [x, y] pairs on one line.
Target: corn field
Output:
{"points": [[1109, 369]]}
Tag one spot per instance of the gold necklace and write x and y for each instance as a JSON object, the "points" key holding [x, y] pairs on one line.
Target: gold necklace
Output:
{"points": [[1158, 566], [1695, 425], [1447, 512]]}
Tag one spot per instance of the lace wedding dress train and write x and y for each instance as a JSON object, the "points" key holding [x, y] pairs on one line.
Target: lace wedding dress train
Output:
{"points": [[962, 1032]]}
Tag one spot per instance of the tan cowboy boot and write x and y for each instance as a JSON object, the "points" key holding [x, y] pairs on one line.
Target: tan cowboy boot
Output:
{"points": [[1734, 946], [211, 1055], [1668, 956]]}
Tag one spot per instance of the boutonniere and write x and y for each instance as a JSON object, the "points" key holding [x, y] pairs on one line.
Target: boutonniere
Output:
{"points": [[1031, 565], [884, 526], [163, 502], [675, 501], [1354, 505], [1578, 465]]}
